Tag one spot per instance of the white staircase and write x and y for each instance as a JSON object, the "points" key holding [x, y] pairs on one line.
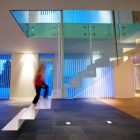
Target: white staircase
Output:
{"points": [[104, 61], [87, 73], [75, 82], [17, 121], [27, 114]]}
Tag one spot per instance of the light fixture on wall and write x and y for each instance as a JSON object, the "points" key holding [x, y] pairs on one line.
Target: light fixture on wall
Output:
{"points": [[27, 61], [27, 58]]}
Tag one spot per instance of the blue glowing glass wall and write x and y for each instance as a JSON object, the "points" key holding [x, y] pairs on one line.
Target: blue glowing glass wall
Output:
{"points": [[87, 16], [72, 65], [78, 55], [5, 72], [101, 86]]}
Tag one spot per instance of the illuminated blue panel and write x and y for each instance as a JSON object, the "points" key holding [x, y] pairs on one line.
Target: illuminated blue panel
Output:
{"points": [[87, 16], [5, 72], [70, 16], [72, 65], [36, 16], [46, 56], [21, 16]]}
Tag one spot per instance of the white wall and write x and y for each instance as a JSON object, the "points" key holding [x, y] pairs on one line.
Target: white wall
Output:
{"points": [[22, 74], [124, 80]]}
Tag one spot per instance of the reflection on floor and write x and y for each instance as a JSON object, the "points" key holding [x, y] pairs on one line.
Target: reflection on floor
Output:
{"points": [[88, 119], [130, 106], [137, 95]]}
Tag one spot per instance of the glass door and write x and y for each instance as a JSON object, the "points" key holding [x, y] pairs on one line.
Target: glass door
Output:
{"points": [[48, 76]]}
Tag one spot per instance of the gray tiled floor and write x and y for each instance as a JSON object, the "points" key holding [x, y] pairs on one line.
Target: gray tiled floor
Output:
{"points": [[88, 122]]}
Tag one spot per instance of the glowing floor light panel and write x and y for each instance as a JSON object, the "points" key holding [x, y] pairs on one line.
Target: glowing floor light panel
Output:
{"points": [[109, 122], [68, 123]]}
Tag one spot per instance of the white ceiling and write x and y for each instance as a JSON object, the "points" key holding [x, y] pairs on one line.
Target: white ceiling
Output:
{"points": [[12, 39]]}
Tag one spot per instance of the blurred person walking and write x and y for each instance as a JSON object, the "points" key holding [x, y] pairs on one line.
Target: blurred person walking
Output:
{"points": [[39, 83]]}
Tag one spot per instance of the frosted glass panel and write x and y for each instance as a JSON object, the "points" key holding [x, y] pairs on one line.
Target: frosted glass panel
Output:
{"points": [[101, 86]]}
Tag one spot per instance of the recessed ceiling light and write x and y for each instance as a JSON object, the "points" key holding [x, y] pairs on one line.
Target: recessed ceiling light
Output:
{"points": [[68, 123], [109, 122]]}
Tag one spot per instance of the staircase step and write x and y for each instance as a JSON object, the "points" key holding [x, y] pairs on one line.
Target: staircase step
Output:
{"points": [[27, 114], [76, 82], [17, 121], [44, 103], [87, 73], [99, 64]]}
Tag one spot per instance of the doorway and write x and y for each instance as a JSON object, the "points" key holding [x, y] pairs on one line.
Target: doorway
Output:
{"points": [[49, 76]]}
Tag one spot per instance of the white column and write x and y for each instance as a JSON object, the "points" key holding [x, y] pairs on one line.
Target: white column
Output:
{"points": [[124, 80], [23, 71]]}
